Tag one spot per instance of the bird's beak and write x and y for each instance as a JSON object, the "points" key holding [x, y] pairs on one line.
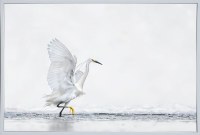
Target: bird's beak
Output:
{"points": [[97, 62]]}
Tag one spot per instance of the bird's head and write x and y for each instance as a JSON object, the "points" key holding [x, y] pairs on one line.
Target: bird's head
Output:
{"points": [[96, 62]]}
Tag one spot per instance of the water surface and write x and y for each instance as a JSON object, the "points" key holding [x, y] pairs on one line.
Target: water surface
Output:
{"points": [[99, 122]]}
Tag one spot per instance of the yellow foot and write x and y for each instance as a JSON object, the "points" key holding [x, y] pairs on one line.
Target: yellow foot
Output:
{"points": [[71, 110]]}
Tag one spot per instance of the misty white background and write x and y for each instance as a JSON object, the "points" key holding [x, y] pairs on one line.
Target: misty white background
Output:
{"points": [[148, 53]]}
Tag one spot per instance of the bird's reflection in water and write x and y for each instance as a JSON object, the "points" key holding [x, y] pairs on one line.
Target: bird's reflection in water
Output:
{"points": [[60, 125]]}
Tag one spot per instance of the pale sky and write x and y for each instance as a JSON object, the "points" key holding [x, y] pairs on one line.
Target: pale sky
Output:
{"points": [[148, 52]]}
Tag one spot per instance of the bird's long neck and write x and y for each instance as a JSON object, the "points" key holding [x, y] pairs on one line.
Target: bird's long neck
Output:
{"points": [[83, 78]]}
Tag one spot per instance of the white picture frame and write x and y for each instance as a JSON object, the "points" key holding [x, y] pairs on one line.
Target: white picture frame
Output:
{"points": [[2, 91]]}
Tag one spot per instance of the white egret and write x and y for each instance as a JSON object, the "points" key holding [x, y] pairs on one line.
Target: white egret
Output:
{"points": [[64, 77]]}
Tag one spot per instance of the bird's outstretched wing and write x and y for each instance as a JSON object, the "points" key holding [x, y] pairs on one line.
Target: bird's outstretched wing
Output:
{"points": [[79, 71], [63, 63], [78, 74]]}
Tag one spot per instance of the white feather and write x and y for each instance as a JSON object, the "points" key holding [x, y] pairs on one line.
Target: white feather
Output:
{"points": [[65, 79], [60, 74]]}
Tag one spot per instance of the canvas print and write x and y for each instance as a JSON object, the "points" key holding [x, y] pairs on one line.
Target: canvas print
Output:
{"points": [[100, 67]]}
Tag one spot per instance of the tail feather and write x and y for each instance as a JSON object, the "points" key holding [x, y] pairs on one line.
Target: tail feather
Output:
{"points": [[51, 99]]}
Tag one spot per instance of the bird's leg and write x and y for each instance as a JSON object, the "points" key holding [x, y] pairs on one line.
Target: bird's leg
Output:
{"points": [[71, 110], [59, 105], [60, 114], [63, 107]]}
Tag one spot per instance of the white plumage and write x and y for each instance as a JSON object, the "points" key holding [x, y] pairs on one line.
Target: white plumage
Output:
{"points": [[65, 79]]}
